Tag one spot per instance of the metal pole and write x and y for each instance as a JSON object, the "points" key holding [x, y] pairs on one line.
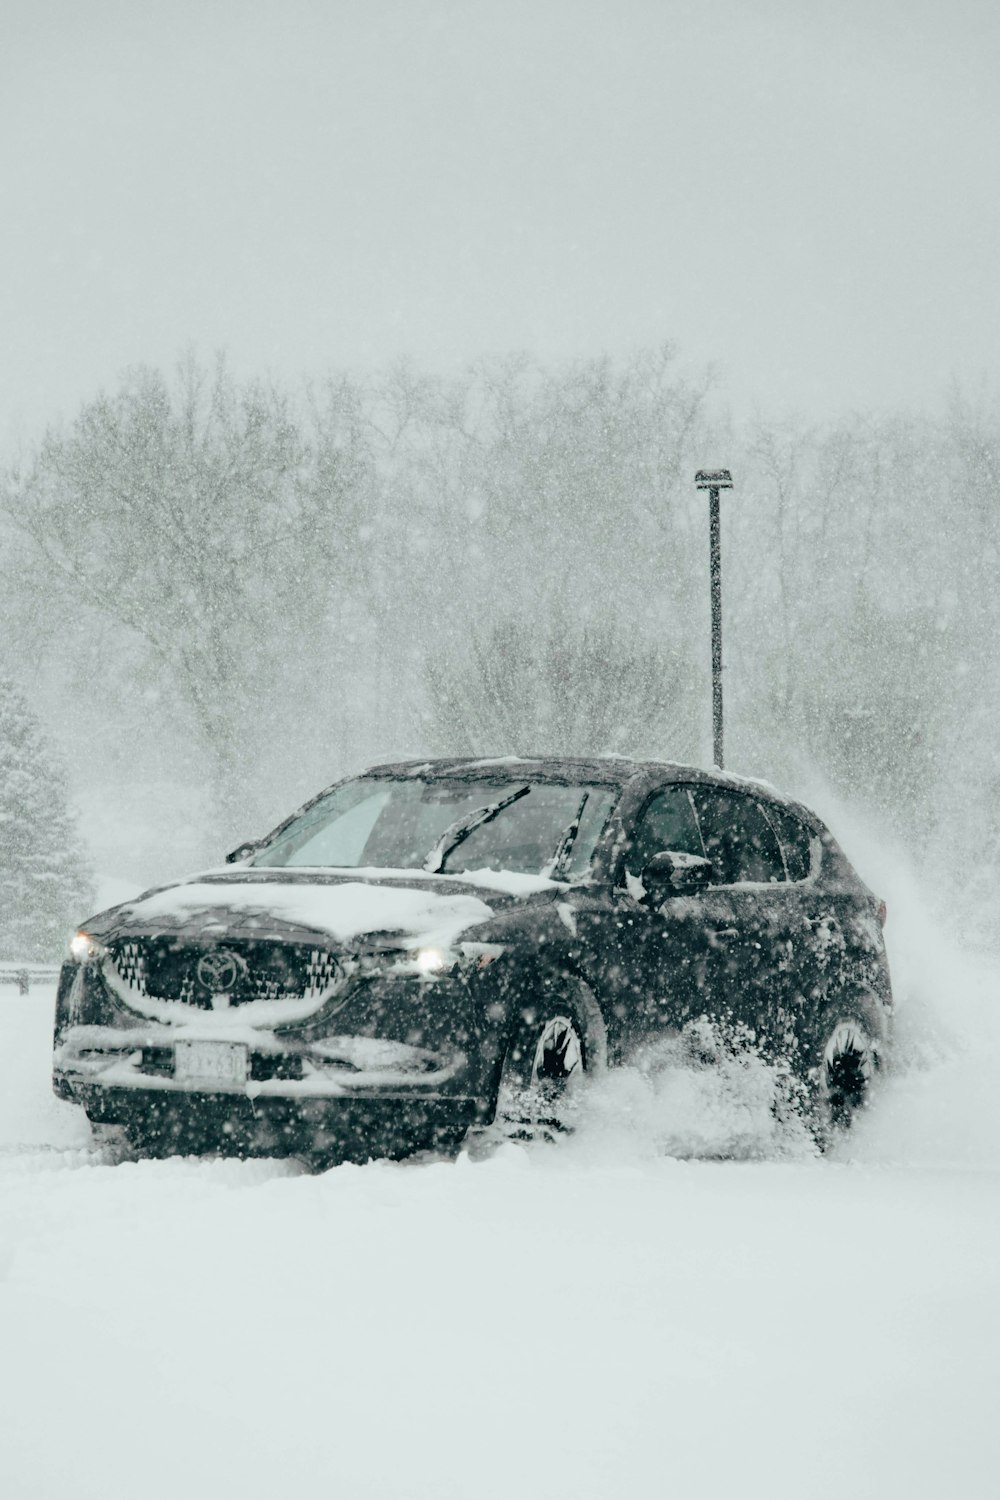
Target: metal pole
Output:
{"points": [[715, 568], [715, 480]]}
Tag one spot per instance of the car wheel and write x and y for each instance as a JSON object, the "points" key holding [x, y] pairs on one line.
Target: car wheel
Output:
{"points": [[553, 1049], [843, 1077]]}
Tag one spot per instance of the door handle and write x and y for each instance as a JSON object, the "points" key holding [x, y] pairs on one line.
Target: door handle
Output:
{"points": [[718, 935]]}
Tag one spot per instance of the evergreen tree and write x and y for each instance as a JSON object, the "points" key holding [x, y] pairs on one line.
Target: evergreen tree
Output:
{"points": [[45, 885]]}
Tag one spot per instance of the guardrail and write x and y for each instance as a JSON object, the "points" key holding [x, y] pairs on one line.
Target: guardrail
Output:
{"points": [[26, 975]]}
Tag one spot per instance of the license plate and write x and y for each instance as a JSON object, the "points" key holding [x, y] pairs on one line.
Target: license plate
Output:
{"points": [[211, 1062]]}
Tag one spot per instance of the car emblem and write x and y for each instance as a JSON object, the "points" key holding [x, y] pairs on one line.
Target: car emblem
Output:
{"points": [[219, 972]]}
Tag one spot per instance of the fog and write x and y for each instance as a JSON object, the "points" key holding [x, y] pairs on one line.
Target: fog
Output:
{"points": [[798, 196]]}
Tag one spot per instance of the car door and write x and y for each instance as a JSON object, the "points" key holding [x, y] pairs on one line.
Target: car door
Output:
{"points": [[823, 938], [654, 964], [752, 961]]}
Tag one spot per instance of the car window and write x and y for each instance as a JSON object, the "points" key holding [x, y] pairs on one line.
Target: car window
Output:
{"points": [[796, 841], [738, 839], [341, 841], [667, 822], [526, 835], [393, 824], [398, 824], [596, 812]]}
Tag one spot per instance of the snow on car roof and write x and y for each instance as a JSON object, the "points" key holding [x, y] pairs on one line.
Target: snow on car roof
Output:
{"points": [[613, 769]]}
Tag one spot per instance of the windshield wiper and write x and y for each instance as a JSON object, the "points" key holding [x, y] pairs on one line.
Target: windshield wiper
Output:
{"points": [[566, 841], [459, 831]]}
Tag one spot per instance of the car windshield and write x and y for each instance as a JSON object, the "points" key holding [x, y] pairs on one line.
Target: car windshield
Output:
{"points": [[375, 823]]}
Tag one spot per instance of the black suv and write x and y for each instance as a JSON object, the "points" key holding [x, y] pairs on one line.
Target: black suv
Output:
{"points": [[448, 944]]}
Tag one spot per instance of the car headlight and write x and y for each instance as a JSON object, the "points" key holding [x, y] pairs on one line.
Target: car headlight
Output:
{"points": [[468, 956], [430, 961], [433, 960], [84, 948]]}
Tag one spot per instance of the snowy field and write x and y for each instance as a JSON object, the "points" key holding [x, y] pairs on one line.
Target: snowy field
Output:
{"points": [[618, 1315]]}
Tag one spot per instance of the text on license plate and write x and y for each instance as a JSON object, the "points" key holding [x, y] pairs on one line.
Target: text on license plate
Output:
{"points": [[212, 1062]]}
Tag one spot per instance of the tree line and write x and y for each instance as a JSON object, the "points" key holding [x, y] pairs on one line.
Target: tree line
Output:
{"points": [[255, 589]]}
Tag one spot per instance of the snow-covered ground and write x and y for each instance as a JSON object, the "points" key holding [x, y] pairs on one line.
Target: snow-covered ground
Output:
{"points": [[593, 1319]]}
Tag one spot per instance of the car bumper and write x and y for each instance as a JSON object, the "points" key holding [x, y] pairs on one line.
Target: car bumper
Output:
{"points": [[271, 1125], [358, 1095]]}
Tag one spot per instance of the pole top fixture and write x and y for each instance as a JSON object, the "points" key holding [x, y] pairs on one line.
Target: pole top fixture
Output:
{"points": [[713, 479]]}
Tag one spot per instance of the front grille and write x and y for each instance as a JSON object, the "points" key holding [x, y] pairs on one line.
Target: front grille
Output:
{"points": [[234, 973], [265, 1066]]}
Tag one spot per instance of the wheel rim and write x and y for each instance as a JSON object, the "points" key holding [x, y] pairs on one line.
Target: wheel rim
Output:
{"points": [[558, 1055], [848, 1063]]}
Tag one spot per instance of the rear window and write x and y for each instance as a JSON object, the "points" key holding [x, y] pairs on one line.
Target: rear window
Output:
{"points": [[796, 842]]}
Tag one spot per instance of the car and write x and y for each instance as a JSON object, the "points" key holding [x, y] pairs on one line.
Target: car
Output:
{"points": [[445, 946]]}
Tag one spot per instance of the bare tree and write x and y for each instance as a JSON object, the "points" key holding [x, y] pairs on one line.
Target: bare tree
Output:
{"points": [[561, 689], [193, 515]]}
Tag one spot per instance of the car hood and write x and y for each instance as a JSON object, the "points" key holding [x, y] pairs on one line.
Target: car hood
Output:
{"points": [[356, 909]]}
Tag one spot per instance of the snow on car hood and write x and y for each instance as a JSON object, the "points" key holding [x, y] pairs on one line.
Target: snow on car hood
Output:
{"points": [[343, 910]]}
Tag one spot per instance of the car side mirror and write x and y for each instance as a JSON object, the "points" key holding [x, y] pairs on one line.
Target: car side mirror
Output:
{"points": [[673, 873]]}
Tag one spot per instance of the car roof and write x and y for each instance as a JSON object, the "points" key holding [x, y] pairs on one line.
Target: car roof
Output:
{"points": [[616, 770]]}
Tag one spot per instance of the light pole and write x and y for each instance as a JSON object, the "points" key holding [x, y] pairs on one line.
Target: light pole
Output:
{"points": [[715, 480]]}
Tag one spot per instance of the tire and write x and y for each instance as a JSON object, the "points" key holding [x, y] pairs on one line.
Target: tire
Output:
{"points": [[555, 1046], [842, 1077]]}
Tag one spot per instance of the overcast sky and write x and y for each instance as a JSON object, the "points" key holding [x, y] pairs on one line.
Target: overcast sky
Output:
{"points": [[804, 194]]}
